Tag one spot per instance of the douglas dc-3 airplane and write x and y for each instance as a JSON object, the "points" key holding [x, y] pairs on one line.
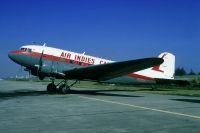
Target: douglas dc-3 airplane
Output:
{"points": [[43, 61]]}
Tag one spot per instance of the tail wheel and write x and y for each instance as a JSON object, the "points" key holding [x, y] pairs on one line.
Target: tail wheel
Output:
{"points": [[64, 89], [51, 87]]}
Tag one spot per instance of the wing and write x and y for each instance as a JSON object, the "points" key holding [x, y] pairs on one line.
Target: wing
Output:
{"points": [[111, 70]]}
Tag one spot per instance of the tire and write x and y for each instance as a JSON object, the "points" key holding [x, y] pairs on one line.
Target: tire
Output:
{"points": [[64, 89], [51, 88]]}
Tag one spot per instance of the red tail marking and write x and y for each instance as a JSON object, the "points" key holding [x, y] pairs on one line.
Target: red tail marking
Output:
{"points": [[157, 68], [134, 75]]}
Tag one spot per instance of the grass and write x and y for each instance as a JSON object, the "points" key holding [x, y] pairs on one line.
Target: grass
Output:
{"points": [[192, 90], [167, 90]]}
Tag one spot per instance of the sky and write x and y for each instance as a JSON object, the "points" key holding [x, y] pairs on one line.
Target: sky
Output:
{"points": [[112, 29]]}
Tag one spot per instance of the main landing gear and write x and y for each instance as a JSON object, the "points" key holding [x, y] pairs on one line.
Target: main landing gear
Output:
{"points": [[61, 87]]}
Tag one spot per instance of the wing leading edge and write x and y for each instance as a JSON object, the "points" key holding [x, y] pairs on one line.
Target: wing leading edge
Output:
{"points": [[111, 70]]}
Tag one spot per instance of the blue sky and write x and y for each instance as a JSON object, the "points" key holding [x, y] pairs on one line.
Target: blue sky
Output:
{"points": [[112, 29]]}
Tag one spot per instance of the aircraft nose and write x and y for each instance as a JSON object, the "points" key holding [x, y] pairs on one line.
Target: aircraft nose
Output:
{"points": [[13, 55]]}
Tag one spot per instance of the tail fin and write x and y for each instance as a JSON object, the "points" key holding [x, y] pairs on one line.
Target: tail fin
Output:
{"points": [[164, 71], [168, 66]]}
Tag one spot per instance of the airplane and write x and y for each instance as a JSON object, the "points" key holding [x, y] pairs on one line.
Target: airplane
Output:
{"points": [[44, 61]]}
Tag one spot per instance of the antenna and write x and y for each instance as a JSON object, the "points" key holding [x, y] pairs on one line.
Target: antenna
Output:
{"points": [[44, 44]]}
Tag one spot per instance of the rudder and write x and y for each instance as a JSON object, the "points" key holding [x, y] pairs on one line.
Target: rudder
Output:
{"points": [[167, 68]]}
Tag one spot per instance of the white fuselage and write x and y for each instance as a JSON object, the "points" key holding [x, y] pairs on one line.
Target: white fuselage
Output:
{"points": [[70, 59]]}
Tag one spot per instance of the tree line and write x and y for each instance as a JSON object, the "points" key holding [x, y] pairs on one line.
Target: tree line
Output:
{"points": [[180, 71]]}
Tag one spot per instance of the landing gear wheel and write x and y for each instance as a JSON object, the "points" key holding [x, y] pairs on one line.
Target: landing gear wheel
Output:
{"points": [[51, 88], [64, 89]]}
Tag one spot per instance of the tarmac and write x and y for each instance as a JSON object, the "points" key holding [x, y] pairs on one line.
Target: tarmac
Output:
{"points": [[27, 107]]}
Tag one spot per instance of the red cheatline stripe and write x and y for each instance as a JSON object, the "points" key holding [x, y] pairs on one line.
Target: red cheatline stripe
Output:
{"points": [[140, 76], [49, 57], [16, 52], [157, 68]]}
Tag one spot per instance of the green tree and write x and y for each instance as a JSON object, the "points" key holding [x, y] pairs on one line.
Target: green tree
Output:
{"points": [[180, 71], [191, 72]]}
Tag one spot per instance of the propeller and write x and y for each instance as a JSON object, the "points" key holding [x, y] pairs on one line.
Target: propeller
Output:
{"points": [[40, 64]]}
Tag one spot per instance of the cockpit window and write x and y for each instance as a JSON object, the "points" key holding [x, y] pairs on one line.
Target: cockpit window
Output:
{"points": [[26, 49], [29, 50]]}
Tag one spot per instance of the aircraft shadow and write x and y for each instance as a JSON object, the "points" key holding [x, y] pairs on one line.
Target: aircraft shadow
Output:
{"points": [[101, 93], [187, 100], [21, 93]]}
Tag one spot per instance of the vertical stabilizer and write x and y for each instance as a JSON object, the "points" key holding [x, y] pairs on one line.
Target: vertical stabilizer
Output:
{"points": [[164, 71]]}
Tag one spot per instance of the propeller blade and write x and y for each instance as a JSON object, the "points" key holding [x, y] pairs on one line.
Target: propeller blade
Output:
{"points": [[41, 61], [41, 77]]}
